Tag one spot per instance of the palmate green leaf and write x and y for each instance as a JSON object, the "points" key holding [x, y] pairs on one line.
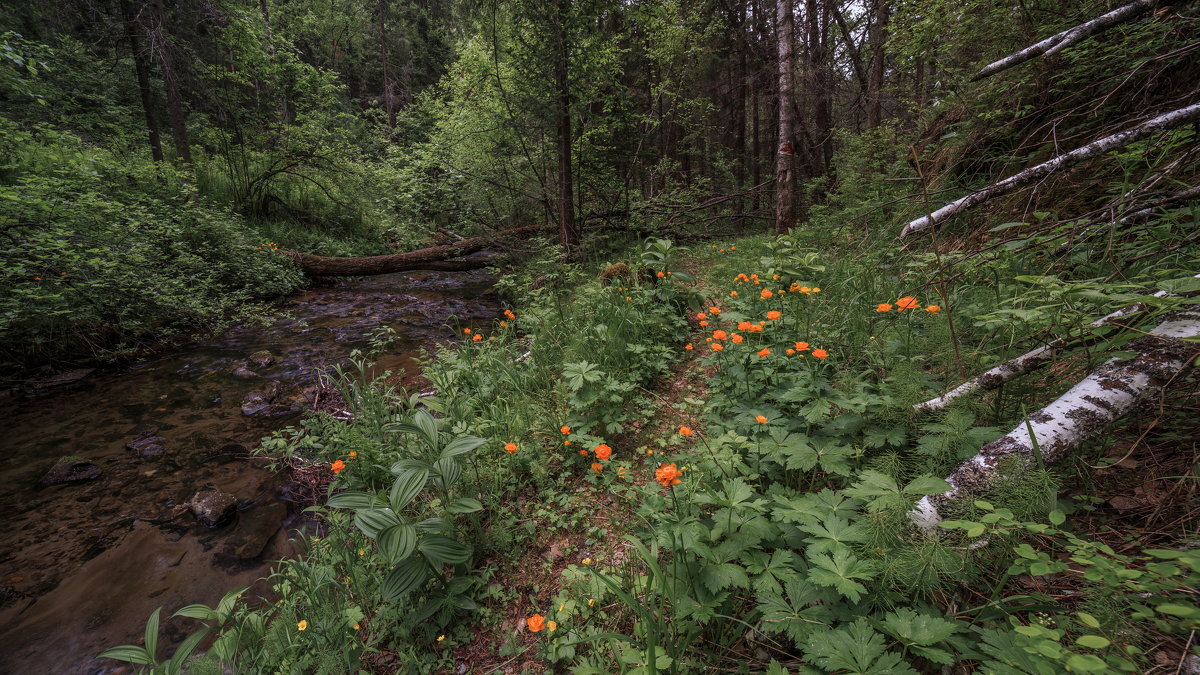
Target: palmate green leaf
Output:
{"points": [[855, 649], [878, 437], [839, 571], [831, 534], [718, 577], [770, 571], [799, 613], [912, 628]]}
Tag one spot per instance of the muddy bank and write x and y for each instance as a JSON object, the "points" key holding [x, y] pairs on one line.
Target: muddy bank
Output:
{"points": [[99, 476]]}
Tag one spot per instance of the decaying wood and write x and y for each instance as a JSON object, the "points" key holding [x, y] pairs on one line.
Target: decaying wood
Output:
{"points": [[438, 258], [1102, 397], [1071, 36], [1026, 362], [1158, 124]]}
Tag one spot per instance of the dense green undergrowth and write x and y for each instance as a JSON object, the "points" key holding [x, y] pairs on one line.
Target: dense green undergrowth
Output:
{"points": [[762, 524]]}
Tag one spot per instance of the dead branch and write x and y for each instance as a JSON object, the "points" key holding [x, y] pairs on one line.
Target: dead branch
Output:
{"points": [[1060, 41], [1161, 123], [1086, 409]]}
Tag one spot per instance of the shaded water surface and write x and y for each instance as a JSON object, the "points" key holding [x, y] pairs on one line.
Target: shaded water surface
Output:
{"points": [[83, 563]]}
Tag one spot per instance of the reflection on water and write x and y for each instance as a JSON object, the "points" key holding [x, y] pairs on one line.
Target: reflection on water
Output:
{"points": [[82, 564]]}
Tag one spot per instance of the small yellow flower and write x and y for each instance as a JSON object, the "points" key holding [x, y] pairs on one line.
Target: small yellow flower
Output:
{"points": [[361, 552], [591, 602], [302, 625], [552, 626], [562, 606], [441, 638], [357, 627], [587, 561]]}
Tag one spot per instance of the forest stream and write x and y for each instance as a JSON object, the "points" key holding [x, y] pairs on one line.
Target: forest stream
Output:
{"points": [[92, 545]]}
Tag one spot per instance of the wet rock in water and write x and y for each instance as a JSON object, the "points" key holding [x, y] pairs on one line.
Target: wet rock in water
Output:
{"points": [[261, 359], [213, 507], [243, 371], [256, 527], [71, 469], [147, 444], [265, 403]]}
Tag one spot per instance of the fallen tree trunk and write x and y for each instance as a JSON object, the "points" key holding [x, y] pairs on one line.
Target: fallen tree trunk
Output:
{"points": [[438, 258], [1161, 123], [1071, 36], [1086, 409]]}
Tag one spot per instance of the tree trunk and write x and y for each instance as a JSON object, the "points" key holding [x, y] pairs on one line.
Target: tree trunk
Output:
{"points": [[878, 37], [142, 69], [1161, 123], [568, 230], [785, 179], [162, 48], [432, 258], [1085, 410]]}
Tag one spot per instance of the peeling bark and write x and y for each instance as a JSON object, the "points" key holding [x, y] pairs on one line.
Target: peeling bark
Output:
{"points": [[1161, 123], [1071, 36], [438, 258], [1102, 397]]}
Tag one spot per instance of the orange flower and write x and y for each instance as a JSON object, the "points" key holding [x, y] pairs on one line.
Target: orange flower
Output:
{"points": [[717, 347], [582, 453], [685, 431], [761, 419], [628, 299], [603, 452], [504, 324], [466, 331], [565, 429], [597, 467], [668, 475], [354, 454], [733, 294], [775, 277], [508, 313], [477, 338], [37, 278], [766, 293], [790, 351], [883, 307], [719, 335], [337, 466], [722, 251], [933, 309], [536, 622], [510, 447], [732, 248], [715, 310], [820, 353], [737, 338], [801, 346], [661, 275], [764, 353], [774, 315], [688, 347], [700, 316], [703, 324], [755, 328], [566, 442], [907, 302], [754, 276]]}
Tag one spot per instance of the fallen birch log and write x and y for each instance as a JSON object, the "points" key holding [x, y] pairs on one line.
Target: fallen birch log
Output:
{"points": [[1099, 399], [1163, 122], [1060, 41], [1028, 361]]}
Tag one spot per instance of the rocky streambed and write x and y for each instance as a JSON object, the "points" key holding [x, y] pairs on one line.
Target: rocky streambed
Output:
{"points": [[125, 491]]}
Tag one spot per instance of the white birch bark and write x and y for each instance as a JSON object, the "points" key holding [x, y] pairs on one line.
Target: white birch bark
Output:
{"points": [[1106, 394], [1058, 42], [1161, 123]]}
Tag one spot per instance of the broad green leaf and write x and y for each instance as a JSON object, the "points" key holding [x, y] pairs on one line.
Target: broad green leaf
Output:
{"points": [[1086, 663], [352, 500], [406, 488], [449, 471], [461, 446], [201, 612], [151, 635], [129, 654], [927, 485], [464, 505], [1092, 641], [406, 577], [441, 549], [186, 648], [1088, 620], [373, 521], [397, 542]]}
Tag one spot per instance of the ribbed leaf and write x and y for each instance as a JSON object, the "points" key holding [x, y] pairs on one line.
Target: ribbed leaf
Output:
{"points": [[201, 612], [406, 465], [226, 605], [397, 542], [151, 639], [186, 648], [129, 654], [374, 521], [441, 549], [464, 505], [461, 446], [401, 581], [352, 500], [428, 426], [431, 525], [449, 471], [407, 487]]}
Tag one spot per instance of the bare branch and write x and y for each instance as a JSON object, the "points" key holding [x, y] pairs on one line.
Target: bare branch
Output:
{"points": [[1058, 42], [1163, 122]]}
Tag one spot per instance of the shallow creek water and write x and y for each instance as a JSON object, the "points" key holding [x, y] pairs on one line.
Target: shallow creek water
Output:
{"points": [[83, 564]]}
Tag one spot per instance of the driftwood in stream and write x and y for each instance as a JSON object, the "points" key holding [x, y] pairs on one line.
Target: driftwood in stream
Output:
{"points": [[438, 258], [1081, 413]]}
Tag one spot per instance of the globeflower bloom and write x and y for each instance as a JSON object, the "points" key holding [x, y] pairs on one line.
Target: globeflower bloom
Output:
{"points": [[764, 352], [733, 294], [597, 467], [336, 467], [565, 429], [719, 335], [933, 309], [536, 622], [685, 431], [737, 338], [717, 346], [774, 315], [761, 419], [508, 313], [477, 338], [510, 448], [603, 452], [668, 475], [700, 316], [883, 307], [766, 294], [907, 302], [820, 353], [688, 347], [801, 346]]}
